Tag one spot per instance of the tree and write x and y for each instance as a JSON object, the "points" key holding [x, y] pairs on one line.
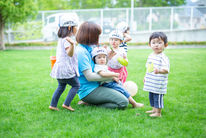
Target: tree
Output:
{"points": [[90, 4], [159, 3], [73, 4], [52, 5], [93, 4], [149, 3], [13, 11]]}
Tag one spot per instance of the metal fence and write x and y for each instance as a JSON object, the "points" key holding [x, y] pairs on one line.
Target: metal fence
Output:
{"points": [[140, 20]]}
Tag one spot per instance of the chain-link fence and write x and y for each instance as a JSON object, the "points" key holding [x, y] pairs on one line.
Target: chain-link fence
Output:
{"points": [[45, 26]]}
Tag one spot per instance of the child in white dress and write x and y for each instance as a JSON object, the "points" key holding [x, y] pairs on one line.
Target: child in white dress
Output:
{"points": [[65, 69]]}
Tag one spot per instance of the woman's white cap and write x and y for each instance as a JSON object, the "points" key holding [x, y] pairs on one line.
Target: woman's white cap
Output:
{"points": [[122, 27], [116, 34], [98, 50], [68, 19]]}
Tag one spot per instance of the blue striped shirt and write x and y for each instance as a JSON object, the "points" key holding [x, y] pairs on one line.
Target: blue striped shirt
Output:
{"points": [[124, 45], [157, 83]]}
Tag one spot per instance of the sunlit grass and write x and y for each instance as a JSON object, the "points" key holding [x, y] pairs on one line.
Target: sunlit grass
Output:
{"points": [[26, 90]]}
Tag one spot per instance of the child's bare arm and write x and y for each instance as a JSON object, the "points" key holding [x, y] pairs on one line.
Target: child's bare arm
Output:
{"points": [[108, 74], [161, 71], [70, 50], [127, 37]]}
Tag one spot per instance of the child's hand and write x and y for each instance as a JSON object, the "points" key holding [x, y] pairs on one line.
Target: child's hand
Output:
{"points": [[105, 46], [111, 54], [156, 71], [144, 80], [116, 79], [70, 40], [117, 75], [125, 57]]}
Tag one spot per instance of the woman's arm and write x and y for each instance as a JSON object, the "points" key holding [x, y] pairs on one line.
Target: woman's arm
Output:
{"points": [[92, 76]]}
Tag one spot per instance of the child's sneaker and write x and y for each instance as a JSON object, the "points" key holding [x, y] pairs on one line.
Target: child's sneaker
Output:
{"points": [[53, 108], [68, 107]]}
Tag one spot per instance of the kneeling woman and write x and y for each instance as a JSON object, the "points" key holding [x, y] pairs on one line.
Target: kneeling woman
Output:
{"points": [[90, 91]]}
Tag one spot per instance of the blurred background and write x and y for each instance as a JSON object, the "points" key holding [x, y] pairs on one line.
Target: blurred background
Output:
{"points": [[181, 20]]}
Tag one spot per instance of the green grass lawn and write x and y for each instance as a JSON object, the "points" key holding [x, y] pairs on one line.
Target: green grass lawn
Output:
{"points": [[26, 90]]}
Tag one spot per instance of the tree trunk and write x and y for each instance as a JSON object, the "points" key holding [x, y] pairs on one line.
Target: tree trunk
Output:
{"points": [[2, 46]]}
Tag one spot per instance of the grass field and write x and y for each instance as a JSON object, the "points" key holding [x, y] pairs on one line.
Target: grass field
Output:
{"points": [[26, 90]]}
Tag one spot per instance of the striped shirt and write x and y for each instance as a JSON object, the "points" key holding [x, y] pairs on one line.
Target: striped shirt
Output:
{"points": [[124, 45], [156, 83]]}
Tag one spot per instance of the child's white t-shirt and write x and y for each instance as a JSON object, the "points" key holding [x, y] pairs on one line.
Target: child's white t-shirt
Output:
{"points": [[114, 63], [98, 68]]}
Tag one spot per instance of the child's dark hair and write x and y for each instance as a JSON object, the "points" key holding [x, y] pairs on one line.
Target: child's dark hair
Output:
{"points": [[95, 60], [127, 30], [64, 32], [160, 35]]}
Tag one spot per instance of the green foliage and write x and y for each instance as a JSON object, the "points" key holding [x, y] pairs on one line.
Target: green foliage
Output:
{"points": [[93, 4], [28, 30], [33, 44], [26, 90], [52, 4], [89, 4], [14, 11], [160, 3]]}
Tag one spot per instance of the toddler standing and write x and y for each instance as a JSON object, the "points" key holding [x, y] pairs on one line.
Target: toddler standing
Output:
{"points": [[65, 69], [155, 81]]}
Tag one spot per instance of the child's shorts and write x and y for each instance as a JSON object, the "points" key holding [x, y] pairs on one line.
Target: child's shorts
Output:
{"points": [[156, 100]]}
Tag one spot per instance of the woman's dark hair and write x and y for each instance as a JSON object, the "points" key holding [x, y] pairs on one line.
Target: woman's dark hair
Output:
{"points": [[64, 32], [160, 35], [88, 33]]}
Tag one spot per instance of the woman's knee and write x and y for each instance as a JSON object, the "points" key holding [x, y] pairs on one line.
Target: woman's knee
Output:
{"points": [[124, 103]]}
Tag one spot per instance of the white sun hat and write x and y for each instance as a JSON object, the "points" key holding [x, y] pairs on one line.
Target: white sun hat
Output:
{"points": [[122, 27], [98, 50], [116, 34], [68, 19]]}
